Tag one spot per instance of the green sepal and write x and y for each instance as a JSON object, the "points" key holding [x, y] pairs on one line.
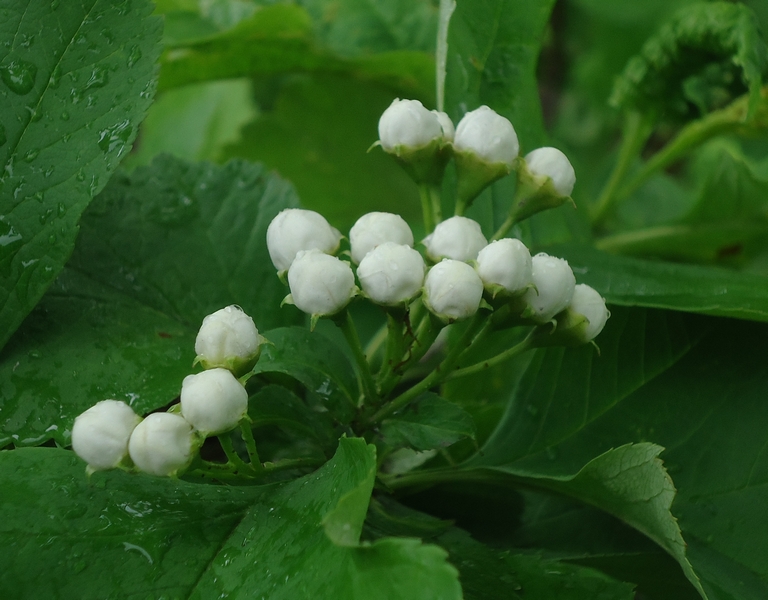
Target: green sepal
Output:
{"points": [[473, 175], [534, 194], [425, 164]]}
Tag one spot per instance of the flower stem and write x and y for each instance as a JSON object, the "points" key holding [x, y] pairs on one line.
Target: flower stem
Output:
{"points": [[232, 457], [347, 326], [438, 375], [426, 208], [492, 362], [637, 129], [250, 444]]}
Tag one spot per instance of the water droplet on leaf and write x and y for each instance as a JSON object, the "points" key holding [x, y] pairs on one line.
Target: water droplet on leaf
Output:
{"points": [[19, 76]]}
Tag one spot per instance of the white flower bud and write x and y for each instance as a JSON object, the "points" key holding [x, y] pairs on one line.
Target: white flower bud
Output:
{"points": [[100, 435], [408, 124], [488, 135], [453, 290], [162, 444], [391, 274], [554, 284], [375, 228], [228, 338], [446, 124], [296, 229], [588, 302], [213, 401], [552, 163], [458, 238], [505, 265], [321, 285]]}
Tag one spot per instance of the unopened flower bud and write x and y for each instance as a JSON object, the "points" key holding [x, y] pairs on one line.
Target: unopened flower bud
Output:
{"points": [[162, 444], [458, 238], [553, 164], [446, 124], [407, 124], [505, 267], [228, 338], [213, 401], [485, 147], [100, 435], [453, 290], [296, 229], [489, 136], [554, 283], [321, 285], [391, 274], [590, 305], [374, 229]]}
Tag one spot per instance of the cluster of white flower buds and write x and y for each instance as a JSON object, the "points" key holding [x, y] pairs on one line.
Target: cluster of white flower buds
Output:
{"points": [[111, 435], [465, 268], [485, 147]]}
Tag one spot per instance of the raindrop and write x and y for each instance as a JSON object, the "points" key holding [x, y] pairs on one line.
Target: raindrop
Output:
{"points": [[45, 216], [19, 76], [9, 235], [62, 209], [55, 4], [52, 239], [65, 116], [134, 56], [117, 135], [55, 79], [99, 78], [31, 155]]}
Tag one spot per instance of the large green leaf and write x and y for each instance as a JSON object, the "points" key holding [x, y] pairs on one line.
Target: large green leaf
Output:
{"points": [[316, 134], [76, 79], [318, 364], [121, 319], [636, 282], [132, 536], [692, 385], [493, 47], [488, 573]]}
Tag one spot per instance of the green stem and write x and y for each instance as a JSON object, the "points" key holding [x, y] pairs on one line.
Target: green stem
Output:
{"points": [[437, 204], [292, 463], [232, 457], [426, 208], [347, 326], [250, 444], [373, 345], [504, 229], [492, 362], [637, 129], [395, 345], [438, 375]]}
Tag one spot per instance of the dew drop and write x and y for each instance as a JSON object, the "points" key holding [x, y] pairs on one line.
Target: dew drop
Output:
{"points": [[31, 155], [115, 136], [52, 239], [19, 76], [134, 56], [55, 79], [62, 209], [99, 78]]}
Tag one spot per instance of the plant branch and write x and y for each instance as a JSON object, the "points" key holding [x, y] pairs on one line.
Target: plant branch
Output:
{"points": [[347, 326]]}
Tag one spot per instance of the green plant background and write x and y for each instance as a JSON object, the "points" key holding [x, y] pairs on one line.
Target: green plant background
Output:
{"points": [[636, 472]]}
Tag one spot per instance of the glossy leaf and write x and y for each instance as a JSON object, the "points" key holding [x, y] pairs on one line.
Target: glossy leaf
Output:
{"points": [[493, 47], [317, 363], [630, 281], [303, 540], [121, 320], [704, 403], [490, 573], [702, 45], [427, 423], [75, 81], [278, 39]]}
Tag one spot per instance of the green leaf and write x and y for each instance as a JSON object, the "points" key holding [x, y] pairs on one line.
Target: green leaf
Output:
{"points": [[274, 405], [493, 47], [429, 422], [120, 535], [75, 81], [195, 122], [120, 321], [318, 364], [489, 573], [279, 39], [303, 541], [728, 222], [635, 282], [704, 45], [138, 536], [316, 134], [704, 403]]}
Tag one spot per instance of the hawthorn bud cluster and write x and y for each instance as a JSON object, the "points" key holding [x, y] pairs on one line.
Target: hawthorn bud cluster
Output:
{"points": [[111, 435]]}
